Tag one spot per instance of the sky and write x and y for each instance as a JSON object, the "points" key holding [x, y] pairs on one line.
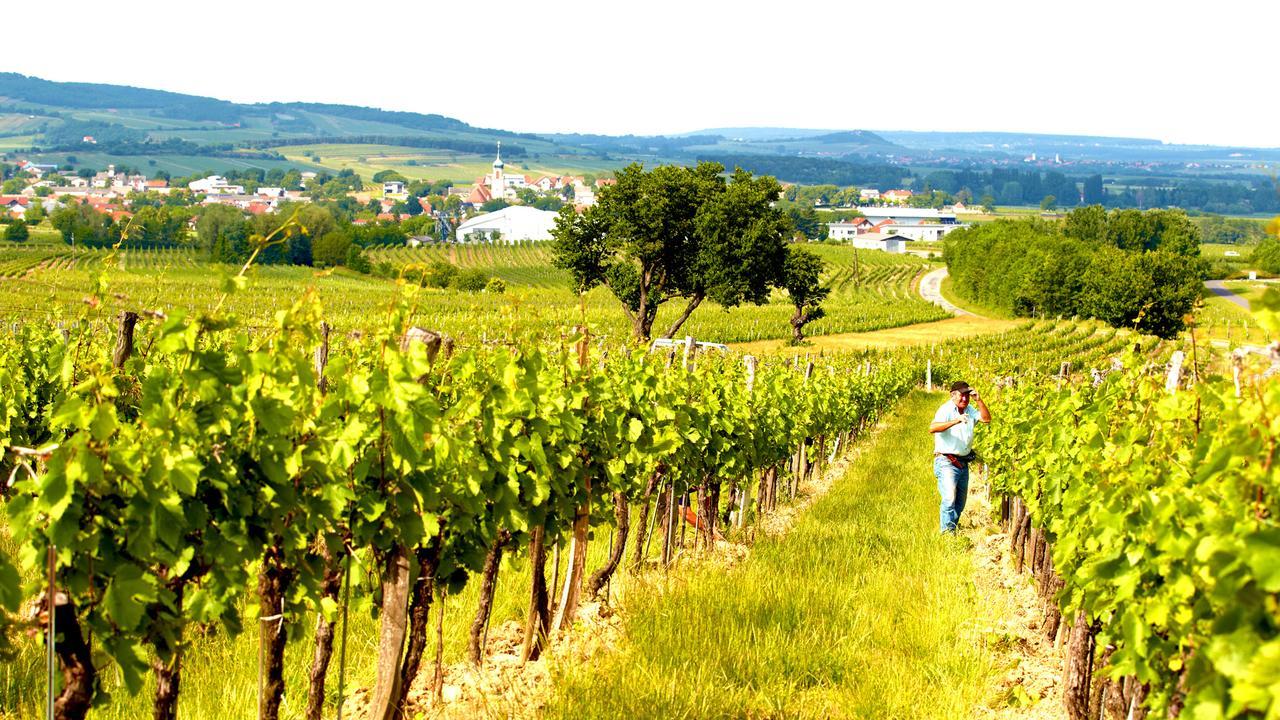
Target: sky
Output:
{"points": [[1183, 72]]}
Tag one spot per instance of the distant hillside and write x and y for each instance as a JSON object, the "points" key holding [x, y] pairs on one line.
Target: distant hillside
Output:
{"points": [[94, 95], [136, 121]]}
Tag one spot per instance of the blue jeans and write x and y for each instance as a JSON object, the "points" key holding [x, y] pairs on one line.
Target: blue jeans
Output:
{"points": [[953, 486]]}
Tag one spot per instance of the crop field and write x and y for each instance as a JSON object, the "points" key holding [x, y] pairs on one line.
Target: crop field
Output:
{"points": [[429, 164]]}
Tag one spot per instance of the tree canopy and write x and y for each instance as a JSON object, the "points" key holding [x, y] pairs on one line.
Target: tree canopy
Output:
{"points": [[1127, 267], [676, 232]]}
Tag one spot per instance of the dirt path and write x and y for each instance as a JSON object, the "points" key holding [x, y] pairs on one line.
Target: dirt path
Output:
{"points": [[1218, 288], [906, 335], [931, 290]]}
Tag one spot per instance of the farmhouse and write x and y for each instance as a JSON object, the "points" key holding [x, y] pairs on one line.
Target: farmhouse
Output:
{"points": [[928, 232], [847, 229], [885, 242], [510, 224]]}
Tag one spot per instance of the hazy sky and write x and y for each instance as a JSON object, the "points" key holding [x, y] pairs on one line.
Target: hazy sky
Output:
{"points": [[1177, 71]]}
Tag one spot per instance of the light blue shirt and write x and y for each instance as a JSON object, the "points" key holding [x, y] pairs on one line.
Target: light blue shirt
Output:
{"points": [[957, 439]]}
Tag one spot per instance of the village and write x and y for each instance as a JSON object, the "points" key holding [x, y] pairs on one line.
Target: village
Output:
{"points": [[495, 208]]}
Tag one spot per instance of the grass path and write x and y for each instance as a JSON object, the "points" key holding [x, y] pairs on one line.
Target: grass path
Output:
{"points": [[916, 334], [861, 610]]}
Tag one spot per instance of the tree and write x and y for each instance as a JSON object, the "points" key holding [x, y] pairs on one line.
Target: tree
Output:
{"points": [[1150, 291], [16, 232], [801, 278], [1267, 256], [222, 231], [1049, 203], [413, 206], [1094, 194], [988, 203], [330, 249], [675, 232], [1087, 224]]}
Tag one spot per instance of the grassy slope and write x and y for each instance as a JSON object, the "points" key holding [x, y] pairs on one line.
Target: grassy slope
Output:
{"points": [[860, 611], [949, 293]]}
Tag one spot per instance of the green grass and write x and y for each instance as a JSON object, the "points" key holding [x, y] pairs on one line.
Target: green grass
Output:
{"points": [[861, 610], [950, 295]]}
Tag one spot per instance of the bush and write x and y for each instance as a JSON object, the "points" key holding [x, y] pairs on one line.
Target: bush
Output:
{"points": [[495, 286], [1267, 256], [472, 281], [17, 232], [357, 261]]}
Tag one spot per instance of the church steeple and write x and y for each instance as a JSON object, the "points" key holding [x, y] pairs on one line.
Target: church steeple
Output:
{"points": [[497, 161]]}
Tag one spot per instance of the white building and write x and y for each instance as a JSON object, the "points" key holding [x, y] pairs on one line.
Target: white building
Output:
{"points": [[927, 232], [907, 215], [885, 242], [392, 187], [846, 229], [500, 185], [510, 224], [215, 185], [868, 194]]}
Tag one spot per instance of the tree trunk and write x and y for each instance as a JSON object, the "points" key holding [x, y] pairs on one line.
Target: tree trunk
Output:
{"points": [[488, 582], [538, 622], [76, 658], [1079, 668], [273, 584], [385, 698], [692, 305], [330, 586], [168, 680], [708, 496], [169, 674], [572, 590], [622, 515], [665, 499], [124, 339], [642, 524], [428, 559]]}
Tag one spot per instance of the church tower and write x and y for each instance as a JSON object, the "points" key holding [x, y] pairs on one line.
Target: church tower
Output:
{"points": [[498, 188]]}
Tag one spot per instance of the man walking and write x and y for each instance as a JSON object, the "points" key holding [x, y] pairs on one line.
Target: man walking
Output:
{"points": [[952, 430]]}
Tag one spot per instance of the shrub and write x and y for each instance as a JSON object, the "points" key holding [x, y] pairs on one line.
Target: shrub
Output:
{"points": [[16, 232], [495, 286], [472, 281]]}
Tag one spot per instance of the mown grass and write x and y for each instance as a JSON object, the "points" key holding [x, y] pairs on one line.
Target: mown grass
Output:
{"points": [[949, 293], [861, 610]]}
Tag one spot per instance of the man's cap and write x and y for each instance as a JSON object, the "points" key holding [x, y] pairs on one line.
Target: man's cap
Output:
{"points": [[961, 387]]}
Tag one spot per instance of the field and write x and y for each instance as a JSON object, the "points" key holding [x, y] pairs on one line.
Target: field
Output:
{"points": [[429, 164], [871, 291]]}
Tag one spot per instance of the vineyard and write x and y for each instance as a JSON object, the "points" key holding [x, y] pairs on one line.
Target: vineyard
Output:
{"points": [[324, 509], [871, 291], [181, 461]]}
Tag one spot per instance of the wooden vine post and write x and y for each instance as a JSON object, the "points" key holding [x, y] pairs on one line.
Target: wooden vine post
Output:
{"points": [[745, 491], [572, 591]]}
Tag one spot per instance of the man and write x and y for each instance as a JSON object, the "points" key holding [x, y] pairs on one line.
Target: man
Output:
{"points": [[952, 430]]}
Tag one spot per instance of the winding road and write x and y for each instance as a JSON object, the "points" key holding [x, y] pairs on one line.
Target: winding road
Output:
{"points": [[1218, 288], [931, 290]]}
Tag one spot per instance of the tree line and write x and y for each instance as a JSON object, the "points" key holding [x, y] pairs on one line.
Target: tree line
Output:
{"points": [[1129, 268], [1015, 186]]}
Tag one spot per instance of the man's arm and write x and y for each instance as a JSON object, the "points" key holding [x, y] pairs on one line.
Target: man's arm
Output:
{"points": [[944, 426], [983, 413], [938, 426]]}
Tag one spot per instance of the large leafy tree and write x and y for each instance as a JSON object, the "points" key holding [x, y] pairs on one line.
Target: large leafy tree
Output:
{"points": [[676, 233], [801, 276]]}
